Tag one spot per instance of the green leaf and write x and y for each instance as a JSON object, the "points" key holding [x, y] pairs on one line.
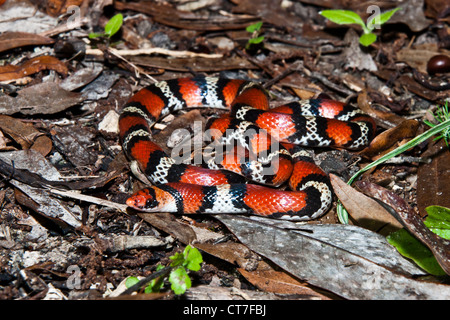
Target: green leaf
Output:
{"points": [[193, 258], [381, 18], [438, 221], [441, 115], [177, 259], [159, 267], [254, 27], [256, 40], [94, 35], [385, 16], [343, 17], [155, 285], [413, 249], [179, 280], [367, 39], [131, 281], [114, 25]]}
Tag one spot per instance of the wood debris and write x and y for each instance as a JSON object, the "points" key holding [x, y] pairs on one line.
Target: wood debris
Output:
{"points": [[65, 230]]}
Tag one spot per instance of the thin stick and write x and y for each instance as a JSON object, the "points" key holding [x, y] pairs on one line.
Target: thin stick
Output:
{"points": [[82, 197]]}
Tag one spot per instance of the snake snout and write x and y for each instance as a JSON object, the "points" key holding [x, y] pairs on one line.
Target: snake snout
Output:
{"points": [[143, 200], [136, 201]]}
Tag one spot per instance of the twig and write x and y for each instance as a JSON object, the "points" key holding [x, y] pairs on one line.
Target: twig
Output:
{"points": [[259, 64], [135, 67], [293, 67], [64, 28], [172, 53], [420, 78], [330, 84], [82, 197], [137, 286]]}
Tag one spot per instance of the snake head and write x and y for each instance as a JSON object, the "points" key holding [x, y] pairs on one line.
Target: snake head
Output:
{"points": [[143, 200], [151, 199]]}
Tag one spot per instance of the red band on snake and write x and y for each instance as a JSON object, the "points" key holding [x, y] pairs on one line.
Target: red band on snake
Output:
{"points": [[270, 138]]}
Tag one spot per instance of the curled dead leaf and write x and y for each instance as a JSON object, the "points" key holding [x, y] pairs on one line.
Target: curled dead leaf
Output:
{"points": [[11, 40], [25, 135], [12, 72], [383, 119], [390, 139], [168, 223], [365, 211], [279, 282], [55, 8]]}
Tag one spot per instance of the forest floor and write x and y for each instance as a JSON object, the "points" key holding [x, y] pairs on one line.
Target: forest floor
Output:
{"points": [[65, 232]]}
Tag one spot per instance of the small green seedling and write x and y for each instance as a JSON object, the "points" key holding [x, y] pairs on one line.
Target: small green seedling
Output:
{"points": [[111, 28], [177, 272], [350, 17], [190, 259], [255, 30], [441, 115]]}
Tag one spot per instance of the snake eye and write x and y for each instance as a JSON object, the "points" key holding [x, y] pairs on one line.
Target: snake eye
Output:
{"points": [[151, 203]]}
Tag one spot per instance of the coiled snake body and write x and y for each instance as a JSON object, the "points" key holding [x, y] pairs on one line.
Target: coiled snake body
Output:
{"points": [[268, 159]]}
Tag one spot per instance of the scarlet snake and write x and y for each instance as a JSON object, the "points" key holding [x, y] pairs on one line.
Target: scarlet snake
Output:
{"points": [[183, 188]]}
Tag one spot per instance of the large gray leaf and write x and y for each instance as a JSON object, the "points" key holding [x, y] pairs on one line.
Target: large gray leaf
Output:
{"points": [[41, 98], [350, 261]]}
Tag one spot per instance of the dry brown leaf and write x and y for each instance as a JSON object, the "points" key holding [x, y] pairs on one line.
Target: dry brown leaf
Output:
{"points": [[279, 282], [365, 211], [383, 119], [418, 57], [389, 139], [11, 40], [55, 8], [304, 94], [11, 72], [235, 253], [168, 223], [25, 135], [263, 275], [42, 98], [435, 9], [168, 15], [433, 179], [194, 64], [43, 145]]}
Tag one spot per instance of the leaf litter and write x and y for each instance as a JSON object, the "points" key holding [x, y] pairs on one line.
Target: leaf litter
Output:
{"points": [[64, 178]]}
